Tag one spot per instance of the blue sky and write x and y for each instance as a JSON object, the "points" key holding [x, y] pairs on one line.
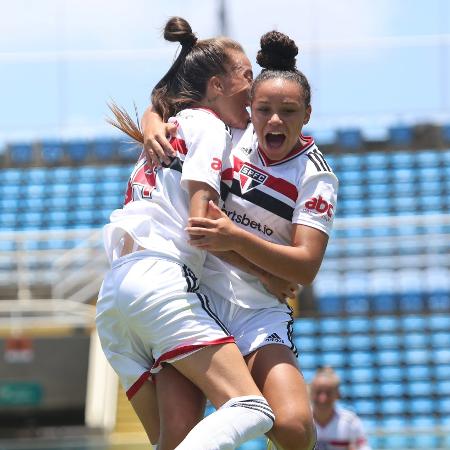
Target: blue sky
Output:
{"points": [[371, 63]]}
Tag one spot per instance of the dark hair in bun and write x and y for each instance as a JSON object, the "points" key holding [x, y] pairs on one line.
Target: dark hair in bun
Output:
{"points": [[277, 57], [277, 52]]}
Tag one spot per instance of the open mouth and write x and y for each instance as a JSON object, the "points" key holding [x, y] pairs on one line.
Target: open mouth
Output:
{"points": [[275, 140]]}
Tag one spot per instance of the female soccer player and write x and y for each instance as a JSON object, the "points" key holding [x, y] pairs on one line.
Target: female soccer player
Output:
{"points": [[150, 312], [277, 214]]}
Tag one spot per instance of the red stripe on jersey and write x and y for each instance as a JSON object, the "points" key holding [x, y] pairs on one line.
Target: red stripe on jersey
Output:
{"points": [[305, 142], [277, 184], [227, 175], [339, 443], [179, 145], [190, 348], [138, 384], [143, 176]]}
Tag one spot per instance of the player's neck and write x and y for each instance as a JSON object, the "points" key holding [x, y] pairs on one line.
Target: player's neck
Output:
{"points": [[323, 418]]}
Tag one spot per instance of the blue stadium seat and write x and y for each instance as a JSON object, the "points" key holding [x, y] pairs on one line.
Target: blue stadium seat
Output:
{"points": [[403, 159], [375, 175], [11, 176], [359, 359], [415, 340], [385, 323], [396, 441], [52, 152], [392, 373], [105, 149], [364, 406], [413, 323], [428, 159], [426, 440], [418, 372], [357, 325], [391, 406], [330, 304], [78, 150], [391, 389], [359, 342], [8, 220], [417, 388], [330, 342], [21, 153], [386, 341], [361, 374], [306, 343], [421, 406], [441, 356], [388, 357], [308, 361], [363, 390], [416, 356], [438, 322], [333, 359], [306, 326], [440, 339], [401, 135], [349, 139]]}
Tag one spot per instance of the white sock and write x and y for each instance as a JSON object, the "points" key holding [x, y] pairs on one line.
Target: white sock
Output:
{"points": [[237, 421]]}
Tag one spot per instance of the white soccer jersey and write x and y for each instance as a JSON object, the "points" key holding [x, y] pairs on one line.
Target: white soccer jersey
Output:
{"points": [[266, 197], [156, 208], [344, 432]]}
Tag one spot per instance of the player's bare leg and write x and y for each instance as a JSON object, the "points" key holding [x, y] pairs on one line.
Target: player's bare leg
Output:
{"points": [[275, 371]]}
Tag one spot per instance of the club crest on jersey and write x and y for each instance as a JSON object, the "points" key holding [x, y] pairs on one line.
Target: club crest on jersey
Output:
{"points": [[249, 178]]}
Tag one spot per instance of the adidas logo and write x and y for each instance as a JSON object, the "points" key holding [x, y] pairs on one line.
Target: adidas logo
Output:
{"points": [[274, 338]]}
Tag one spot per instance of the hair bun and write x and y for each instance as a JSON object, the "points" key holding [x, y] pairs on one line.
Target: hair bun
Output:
{"points": [[277, 52], [178, 29]]}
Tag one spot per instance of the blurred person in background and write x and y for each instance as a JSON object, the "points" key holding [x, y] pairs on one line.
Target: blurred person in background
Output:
{"points": [[279, 211], [337, 428]]}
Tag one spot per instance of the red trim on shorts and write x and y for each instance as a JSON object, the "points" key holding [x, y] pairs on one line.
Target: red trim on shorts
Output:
{"points": [[138, 384], [189, 348]]}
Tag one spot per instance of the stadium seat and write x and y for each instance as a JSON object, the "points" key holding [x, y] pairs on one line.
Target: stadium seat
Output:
{"points": [[349, 139], [306, 326], [78, 151], [105, 149], [11, 176], [330, 342], [440, 339], [418, 388], [386, 341], [21, 153], [415, 340], [418, 372], [391, 374], [416, 356], [52, 152], [401, 135]]}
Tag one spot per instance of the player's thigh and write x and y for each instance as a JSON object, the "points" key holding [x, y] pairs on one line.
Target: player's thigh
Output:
{"points": [[275, 371], [181, 405], [145, 404], [220, 372]]}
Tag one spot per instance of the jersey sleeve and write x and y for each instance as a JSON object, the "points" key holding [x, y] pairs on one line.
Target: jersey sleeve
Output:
{"points": [[359, 438], [316, 203], [208, 143]]}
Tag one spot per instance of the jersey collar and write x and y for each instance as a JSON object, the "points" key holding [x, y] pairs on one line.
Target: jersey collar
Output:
{"points": [[305, 143]]}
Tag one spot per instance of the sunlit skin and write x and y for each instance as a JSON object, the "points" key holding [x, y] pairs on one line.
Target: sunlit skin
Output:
{"points": [[235, 89], [324, 394], [278, 115]]}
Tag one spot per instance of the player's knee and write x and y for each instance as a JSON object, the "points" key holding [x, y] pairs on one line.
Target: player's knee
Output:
{"points": [[294, 433]]}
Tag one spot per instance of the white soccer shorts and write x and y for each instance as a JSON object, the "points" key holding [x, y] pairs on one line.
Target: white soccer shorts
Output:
{"points": [[253, 328], [149, 311]]}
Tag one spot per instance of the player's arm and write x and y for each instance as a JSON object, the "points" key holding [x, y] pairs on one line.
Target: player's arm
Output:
{"points": [[297, 263], [157, 147], [277, 286]]}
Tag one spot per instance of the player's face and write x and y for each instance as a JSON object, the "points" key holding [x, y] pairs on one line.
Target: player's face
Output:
{"points": [[278, 115], [324, 394], [236, 91]]}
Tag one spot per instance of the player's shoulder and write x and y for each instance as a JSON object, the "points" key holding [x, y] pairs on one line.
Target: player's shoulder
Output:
{"points": [[345, 415], [201, 119], [315, 161]]}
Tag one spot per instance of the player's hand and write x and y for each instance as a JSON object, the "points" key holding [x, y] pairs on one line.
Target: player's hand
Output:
{"points": [[281, 289], [157, 147], [213, 233]]}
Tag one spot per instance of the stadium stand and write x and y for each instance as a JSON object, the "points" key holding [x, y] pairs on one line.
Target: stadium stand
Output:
{"points": [[381, 315]]}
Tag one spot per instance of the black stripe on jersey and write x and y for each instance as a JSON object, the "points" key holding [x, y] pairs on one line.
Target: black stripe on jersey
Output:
{"points": [[264, 200], [175, 164], [318, 160], [204, 300], [257, 405]]}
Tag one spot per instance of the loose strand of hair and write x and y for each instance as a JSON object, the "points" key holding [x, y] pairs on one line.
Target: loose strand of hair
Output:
{"points": [[123, 122]]}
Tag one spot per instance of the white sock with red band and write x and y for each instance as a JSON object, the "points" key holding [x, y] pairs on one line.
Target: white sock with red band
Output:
{"points": [[237, 421]]}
